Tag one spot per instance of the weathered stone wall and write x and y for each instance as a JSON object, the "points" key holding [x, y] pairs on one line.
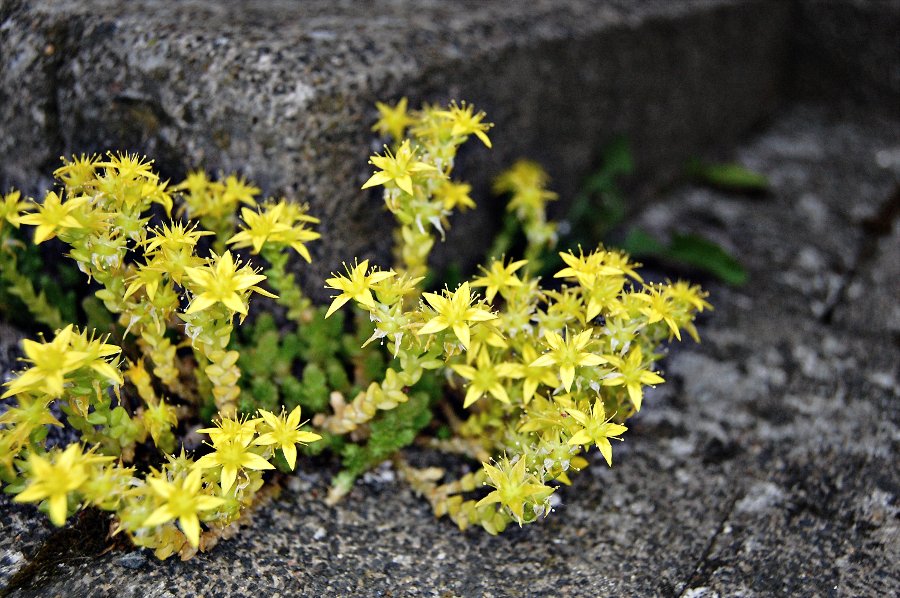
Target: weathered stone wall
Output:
{"points": [[283, 92], [848, 50]]}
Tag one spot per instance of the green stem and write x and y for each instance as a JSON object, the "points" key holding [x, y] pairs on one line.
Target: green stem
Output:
{"points": [[20, 286], [299, 307]]}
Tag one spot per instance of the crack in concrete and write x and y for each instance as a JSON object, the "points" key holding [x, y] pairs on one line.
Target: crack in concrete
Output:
{"points": [[84, 538], [700, 573], [874, 228]]}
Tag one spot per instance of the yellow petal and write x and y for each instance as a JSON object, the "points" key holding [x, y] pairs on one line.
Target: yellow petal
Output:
{"points": [[190, 525], [434, 325], [159, 516], [379, 178], [605, 450], [290, 454]]}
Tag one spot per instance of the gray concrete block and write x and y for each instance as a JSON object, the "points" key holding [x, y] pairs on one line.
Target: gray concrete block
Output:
{"points": [[847, 49], [283, 92], [764, 466]]}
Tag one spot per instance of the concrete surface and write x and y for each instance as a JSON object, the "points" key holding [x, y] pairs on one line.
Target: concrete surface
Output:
{"points": [[765, 466], [284, 92]]}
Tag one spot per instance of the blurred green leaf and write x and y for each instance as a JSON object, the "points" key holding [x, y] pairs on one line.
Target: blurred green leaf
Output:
{"points": [[728, 177], [689, 250], [639, 243], [702, 253]]}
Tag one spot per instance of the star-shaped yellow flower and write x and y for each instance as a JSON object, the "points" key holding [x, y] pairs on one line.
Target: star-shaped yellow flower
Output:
{"points": [[223, 282], [596, 429], [568, 354], [397, 168], [392, 120], [454, 195], [259, 227], [515, 487], [50, 364], [533, 375], [485, 378], [467, 122], [231, 430], [455, 312], [356, 285], [183, 501], [52, 216], [659, 306], [11, 208], [54, 480], [286, 433], [585, 268], [632, 374], [499, 277], [232, 456]]}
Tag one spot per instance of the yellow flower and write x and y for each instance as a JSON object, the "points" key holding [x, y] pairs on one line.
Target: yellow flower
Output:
{"points": [[659, 307], [533, 375], [499, 277], [454, 195], [95, 352], [485, 378], [238, 190], [455, 312], [596, 429], [259, 227], [684, 292], [28, 415], [78, 172], [197, 183], [397, 168], [214, 199], [632, 374], [147, 277], [467, 122], [232, 456], [223, 282], [130, 166], [356, 285], [275, 224], [231, 430], [586, 269], [52, 216], [515, 487], [392, 120], [50, 364], [54, 480], [11, 209], [567, 354], [183, 501], [286, 433], [171, 249], [524, 174]]}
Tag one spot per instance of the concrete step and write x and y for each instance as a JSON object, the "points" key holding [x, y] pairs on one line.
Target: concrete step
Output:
{"points": [[764, 466], [283, 92]]}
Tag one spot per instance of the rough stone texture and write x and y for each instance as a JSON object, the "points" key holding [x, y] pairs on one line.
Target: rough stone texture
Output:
{"points": [[765, 466], [847, 49], [284, 91]]}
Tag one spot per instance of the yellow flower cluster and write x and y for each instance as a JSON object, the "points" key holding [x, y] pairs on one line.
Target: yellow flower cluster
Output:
{"points": [[153, 277], [544, 373], [530, 374]]}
